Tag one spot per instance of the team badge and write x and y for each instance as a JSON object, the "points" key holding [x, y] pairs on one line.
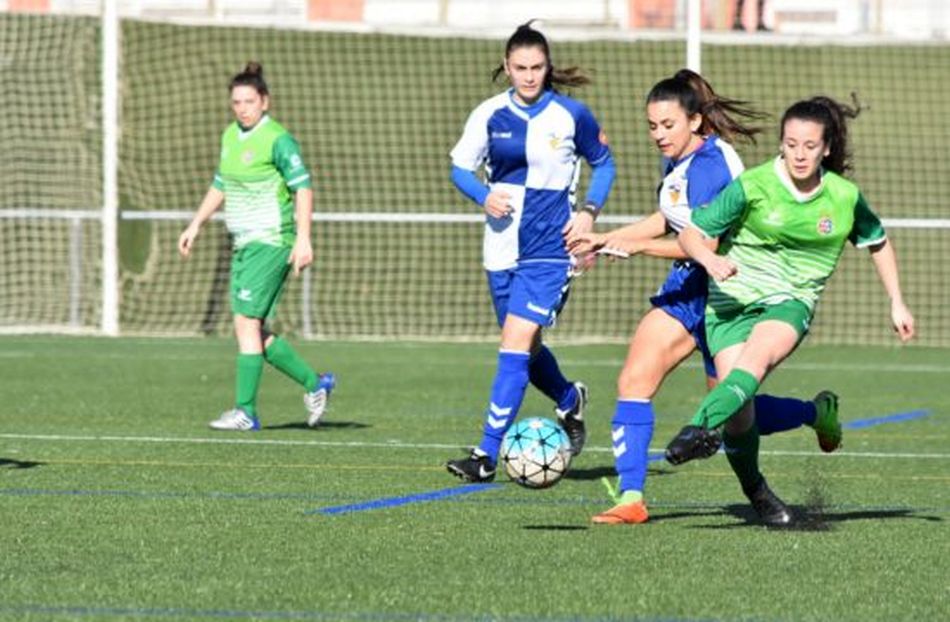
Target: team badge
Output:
{"points": [[675, 189], [247, 157], [825, 226], [554, 140]]}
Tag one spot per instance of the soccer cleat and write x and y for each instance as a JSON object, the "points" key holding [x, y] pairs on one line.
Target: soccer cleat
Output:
{"points": [[572, 419], [236, 420], [316, 400], [772, 511], [827, 427], [693, 442], [475, 468], [623, 514]]}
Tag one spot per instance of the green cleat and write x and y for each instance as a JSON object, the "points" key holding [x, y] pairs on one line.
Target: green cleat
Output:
{"points": [[827, 427]]}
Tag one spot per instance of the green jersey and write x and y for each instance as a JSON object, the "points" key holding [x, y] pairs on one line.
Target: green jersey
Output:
{"points": [[784, 245], [260, 169]]}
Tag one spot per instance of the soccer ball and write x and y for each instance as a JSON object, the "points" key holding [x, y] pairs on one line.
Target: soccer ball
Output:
{"points": [[536, 453]]}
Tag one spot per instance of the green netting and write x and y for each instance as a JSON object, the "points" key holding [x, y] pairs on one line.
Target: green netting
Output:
{"points": [[377, 115]]}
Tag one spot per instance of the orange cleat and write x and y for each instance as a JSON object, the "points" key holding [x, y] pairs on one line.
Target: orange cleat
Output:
{"points": [[623, 514]]}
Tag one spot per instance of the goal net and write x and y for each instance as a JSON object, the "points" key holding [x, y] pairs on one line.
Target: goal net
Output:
{"points": [[397, 248]]}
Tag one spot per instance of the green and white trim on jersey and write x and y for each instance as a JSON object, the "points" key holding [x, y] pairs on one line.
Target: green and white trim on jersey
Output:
{"points": [[259, 171], [784, 244]]}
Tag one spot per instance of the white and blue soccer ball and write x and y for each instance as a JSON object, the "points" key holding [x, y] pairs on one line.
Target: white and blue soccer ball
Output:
{"points": [[536, 452]]}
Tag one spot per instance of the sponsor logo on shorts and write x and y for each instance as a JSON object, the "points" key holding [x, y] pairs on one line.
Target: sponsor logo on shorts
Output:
{"points": [[501, 134], [537, 309], [245, 295]]}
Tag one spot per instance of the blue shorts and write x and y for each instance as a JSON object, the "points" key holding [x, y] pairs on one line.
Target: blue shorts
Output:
{"points": [[683, 297], [535, 291]]}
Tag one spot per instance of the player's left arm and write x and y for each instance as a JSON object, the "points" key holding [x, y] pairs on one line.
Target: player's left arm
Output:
{"points": [[289, 162], [590, 141], [868, 232]]}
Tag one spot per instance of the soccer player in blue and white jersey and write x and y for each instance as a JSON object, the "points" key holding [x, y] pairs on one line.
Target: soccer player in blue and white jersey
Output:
{"points": [[691, 126], [530, 140]]}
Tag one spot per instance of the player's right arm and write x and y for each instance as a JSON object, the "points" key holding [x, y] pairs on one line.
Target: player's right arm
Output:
{"points": [[213, 200], [469, 154], [700, 238]]}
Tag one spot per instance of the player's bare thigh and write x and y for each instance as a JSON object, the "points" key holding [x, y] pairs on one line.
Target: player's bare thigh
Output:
{"points": [[659, 344]]}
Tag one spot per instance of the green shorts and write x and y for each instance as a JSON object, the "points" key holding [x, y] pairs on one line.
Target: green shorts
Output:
{"points": [[258, 272], [726, 329]]}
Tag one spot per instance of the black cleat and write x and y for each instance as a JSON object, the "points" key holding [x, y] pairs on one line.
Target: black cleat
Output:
{"points": [[572, 419], [772, 511], [693, 442], [476, 468]]}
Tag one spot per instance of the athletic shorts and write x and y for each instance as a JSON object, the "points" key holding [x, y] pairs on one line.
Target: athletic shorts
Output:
{"points": [[535, 291], [683, 297], [258, 272], [731, 328]]}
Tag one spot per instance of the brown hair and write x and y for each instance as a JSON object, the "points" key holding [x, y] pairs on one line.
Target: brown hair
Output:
{"points": [[526, 36], [253, 76], [833, 117], [696, 96]]}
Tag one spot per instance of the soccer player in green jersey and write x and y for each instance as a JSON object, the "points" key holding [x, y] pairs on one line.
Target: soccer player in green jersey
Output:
{"points": [[268, 203], [780, 230]]}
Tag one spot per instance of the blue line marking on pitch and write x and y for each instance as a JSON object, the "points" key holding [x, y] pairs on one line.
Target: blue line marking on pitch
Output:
{"points": [[895, 418], [397, 501]]}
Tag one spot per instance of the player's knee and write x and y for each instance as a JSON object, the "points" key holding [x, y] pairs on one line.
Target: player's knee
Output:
{"points": [[636, 382]]}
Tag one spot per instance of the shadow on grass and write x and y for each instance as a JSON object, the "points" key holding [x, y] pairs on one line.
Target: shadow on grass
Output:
{"points": [[608, 471], [807, 518], [302, 425], [9, 463], [555, 527]]}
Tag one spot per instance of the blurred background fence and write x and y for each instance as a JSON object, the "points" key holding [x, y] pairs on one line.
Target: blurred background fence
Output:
{"points": [[93, 200]]}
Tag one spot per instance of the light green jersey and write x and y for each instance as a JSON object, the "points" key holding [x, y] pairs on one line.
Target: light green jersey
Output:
{"points": [[784, 245], [259, 171]]}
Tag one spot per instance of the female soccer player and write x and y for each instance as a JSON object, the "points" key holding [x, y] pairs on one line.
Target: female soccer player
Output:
{"points": [[530, 139], [691, 126], [788, 221], [266, 190]]}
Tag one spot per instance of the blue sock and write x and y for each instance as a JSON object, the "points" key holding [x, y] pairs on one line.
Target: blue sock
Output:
{"points": [[777, 414], [632, 430], [511, 380], [547, 377]]}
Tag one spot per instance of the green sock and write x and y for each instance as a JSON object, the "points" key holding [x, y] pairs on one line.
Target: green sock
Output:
{"points": [[742, 451], [630, 496], [285, 358], [726, 399], [249, 368]]}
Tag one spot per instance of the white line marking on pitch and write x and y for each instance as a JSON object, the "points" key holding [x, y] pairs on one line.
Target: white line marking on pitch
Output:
{"points": [[401, 445]]}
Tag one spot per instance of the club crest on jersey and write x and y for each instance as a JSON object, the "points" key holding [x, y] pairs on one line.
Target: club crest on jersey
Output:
{"points": [[675, 189], [554, 140], [825, 226], [247, 157]]}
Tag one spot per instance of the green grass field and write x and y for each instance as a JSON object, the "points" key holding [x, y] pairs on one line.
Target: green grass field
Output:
{"points": [[117, 502]]}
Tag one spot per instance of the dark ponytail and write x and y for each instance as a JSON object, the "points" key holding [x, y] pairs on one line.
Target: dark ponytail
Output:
{"points": [[525, 36], [696, 96], [253, 76], [833, 116]]}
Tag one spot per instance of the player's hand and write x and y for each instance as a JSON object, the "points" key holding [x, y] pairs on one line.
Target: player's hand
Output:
{"points": [[186, 240], [902, 320], [720, 268], [581, 223], [301, 256], [498, 204], [586, 243]]}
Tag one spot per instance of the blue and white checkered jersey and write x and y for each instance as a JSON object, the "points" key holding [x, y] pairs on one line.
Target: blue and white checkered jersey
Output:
{"points": [[696, 180], [532, 153]]}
